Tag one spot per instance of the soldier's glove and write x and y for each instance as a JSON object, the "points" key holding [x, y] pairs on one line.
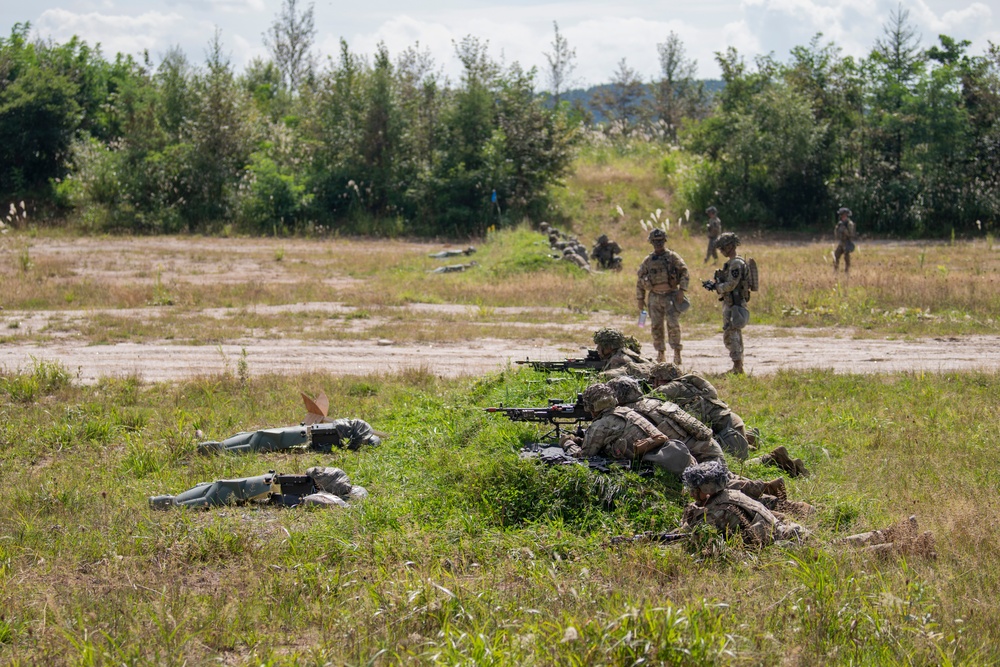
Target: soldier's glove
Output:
{"points": [[709, 285]]}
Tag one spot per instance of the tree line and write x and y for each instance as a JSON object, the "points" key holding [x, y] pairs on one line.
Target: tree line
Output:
{"points": [[907, 137]]}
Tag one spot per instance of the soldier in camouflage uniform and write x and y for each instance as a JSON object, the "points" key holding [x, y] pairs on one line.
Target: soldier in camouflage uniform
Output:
{"points": [[698, 397], [663, 278], [733, 284], [844, 234], [733, 512], [573, 257], [714, 228], [621, 433], [606, 253], [621, 354]]}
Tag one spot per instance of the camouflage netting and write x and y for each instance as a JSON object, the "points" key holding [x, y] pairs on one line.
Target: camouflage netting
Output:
{"points": [[711, 477], [615, 339]]}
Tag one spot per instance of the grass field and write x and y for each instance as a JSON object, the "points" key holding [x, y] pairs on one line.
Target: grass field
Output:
{"points": [[466, 554]]}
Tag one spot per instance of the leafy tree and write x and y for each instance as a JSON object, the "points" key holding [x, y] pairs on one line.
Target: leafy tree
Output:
{"points": [[677, 94], [622, 101]]}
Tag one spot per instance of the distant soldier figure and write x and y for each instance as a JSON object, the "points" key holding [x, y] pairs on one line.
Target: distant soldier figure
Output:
{"points": [[663, 276], [572, 256], [732, 282], [606, 253], [444, 254], [844, 234], [714, 228]]}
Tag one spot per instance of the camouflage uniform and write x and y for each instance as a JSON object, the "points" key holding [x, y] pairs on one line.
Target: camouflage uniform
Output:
{"points": [[731, 512], [844, 234], [573, 257], [714, 228], [699, 398], [662, 276], [605, 252], [734, 287]]}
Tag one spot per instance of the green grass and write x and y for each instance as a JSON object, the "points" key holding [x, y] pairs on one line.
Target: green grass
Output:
{"points": [[464, 553]]}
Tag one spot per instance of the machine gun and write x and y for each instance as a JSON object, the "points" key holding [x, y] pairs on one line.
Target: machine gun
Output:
{"points": [[557, 414], [592, 362]]}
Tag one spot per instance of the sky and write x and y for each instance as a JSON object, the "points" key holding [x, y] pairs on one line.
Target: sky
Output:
{"points": [[602, 33]]}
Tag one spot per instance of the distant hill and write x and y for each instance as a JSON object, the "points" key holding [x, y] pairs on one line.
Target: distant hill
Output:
{"points": [[585, 96]]}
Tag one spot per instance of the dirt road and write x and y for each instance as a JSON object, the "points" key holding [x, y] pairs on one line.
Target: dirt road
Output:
{"points": [[767, 351]]}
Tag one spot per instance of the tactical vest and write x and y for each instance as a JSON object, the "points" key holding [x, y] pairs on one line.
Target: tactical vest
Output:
{"points": [[736, 268], [637, 428], [662, 272]]}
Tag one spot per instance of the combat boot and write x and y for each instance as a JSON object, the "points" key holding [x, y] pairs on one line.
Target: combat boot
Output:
{"points": [[780, 459], [677, 356], [796, 508], [776, 488], [661, 356], [737, 368]]}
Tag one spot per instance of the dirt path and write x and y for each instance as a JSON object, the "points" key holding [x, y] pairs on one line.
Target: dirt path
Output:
{"points": [[768, 351]]}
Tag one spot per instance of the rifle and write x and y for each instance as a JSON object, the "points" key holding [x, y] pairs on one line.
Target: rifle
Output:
{"points": [[719, 276], [650, 536], [592, 362], [558, 413]]}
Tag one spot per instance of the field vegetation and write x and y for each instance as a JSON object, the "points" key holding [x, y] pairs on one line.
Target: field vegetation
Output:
{"points": [[465, 553]]}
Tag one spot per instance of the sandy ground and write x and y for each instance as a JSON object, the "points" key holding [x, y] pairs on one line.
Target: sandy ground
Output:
{"points": [[767, 351], [219, 261]]}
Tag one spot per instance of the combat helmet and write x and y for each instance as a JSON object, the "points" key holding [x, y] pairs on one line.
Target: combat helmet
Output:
{"points": [[657, 236], [710, 477], [602, 239], [842, 210], [626, 389], [615, 340], [727, 239], [544, 226], [597, 398], [664, 372], [711, 210]]}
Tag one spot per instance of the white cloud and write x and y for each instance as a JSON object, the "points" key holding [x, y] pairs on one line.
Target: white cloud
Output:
{"points": [[116, 33]]}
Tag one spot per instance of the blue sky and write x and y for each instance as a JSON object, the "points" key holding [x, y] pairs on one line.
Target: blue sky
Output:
{"points": [[601, 32]]}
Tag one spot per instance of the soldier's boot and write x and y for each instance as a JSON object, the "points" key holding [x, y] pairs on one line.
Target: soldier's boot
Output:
{"points": [[796, 507], [661, 356], [737, 368], [776, 488], [677, 356], [800, 468], [780, 459]]}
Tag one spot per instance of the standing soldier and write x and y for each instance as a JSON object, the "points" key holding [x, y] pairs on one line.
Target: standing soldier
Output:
{"points": [[733, 283], [664, 276], [844, 234], [714, 228]]}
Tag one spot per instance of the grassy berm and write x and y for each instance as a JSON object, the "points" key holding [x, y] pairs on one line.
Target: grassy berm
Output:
{"points": [[466, 554]]}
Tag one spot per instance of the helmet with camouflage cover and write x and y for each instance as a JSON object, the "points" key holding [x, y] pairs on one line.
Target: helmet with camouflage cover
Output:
{"points": [[657, 236], [597, 398], [602, 239], [711, 210], [709, 477], [614, 339], [726, 240], [842, 210], [663, 372], [544, 226], [626, 389]]}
